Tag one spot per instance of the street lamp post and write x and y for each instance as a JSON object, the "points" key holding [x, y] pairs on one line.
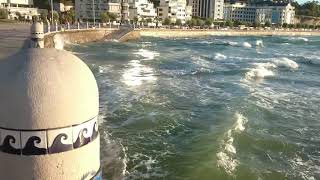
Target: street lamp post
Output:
{"points": [[94, 14], [52, 12]]}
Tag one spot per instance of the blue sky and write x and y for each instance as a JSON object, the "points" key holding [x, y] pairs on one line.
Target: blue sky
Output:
{"points": [[303, 1]]}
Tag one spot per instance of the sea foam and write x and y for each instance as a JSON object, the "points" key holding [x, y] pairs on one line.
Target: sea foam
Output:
{"points": [[286, 62], [259, 43], [260, 71], [227, 156], [219, 56], [247, 45]]}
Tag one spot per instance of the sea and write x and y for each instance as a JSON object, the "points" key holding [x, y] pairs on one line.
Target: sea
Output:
{"points": [[211, 108]]}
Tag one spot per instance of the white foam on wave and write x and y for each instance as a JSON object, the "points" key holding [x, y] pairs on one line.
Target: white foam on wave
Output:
{"points": [[246, 45], [232, 43], [286, 62], [227, 156], [303, 39], [147, 54], [259, 43], [260, 71], [219, 56]]}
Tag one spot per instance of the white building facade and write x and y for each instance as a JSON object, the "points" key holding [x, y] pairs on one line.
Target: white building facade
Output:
{"points": [[142, 9], [275, 14], [22, 8], [174, 10], [207, 8], [86, 10]]}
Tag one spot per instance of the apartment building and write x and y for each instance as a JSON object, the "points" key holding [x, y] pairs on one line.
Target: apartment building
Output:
{"points": [[207, 8], [18, 8], [87, 9], [174, 9], [142, 9], [275, 13]]}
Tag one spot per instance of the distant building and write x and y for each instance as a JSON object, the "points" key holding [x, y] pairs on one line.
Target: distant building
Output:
{"points": [[174, 10], [207, 8], [142, 9], [275, 13], [63, 7], [22, 8], [84, 9]]}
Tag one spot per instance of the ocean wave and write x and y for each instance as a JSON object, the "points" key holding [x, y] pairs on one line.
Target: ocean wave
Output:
{"points": [[299, 38], [219, 56], [260, 71], [232, 43], [227, 156], [246, 45], [259, 43], [286, 62]]}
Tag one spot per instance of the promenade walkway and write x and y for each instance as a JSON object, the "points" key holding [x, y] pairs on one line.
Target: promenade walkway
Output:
{"points": [[13, 37]]}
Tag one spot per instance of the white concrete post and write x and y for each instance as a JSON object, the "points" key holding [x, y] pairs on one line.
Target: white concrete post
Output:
{"points": [[78, 25], [87, 25], [68, 25], [37, 35], [49, 126], [99, 25], [56, 24], [48, 26]]}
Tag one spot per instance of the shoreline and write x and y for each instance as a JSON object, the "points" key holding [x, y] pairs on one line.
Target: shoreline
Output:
{"points": [[176, 33]]}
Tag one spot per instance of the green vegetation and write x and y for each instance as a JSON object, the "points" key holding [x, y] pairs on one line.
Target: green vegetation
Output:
{"points": [[178, 22], [166, 21], [311, 8], [107, 16]]}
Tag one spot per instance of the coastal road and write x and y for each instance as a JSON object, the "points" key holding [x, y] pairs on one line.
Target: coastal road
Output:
{"points": [[12, 38]]}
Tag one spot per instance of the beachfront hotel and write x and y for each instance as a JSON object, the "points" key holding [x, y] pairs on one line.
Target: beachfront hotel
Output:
{"points": [[174, 10], [142, 9], [23, 8], [84, 9], [275, 14], [207, 8]]}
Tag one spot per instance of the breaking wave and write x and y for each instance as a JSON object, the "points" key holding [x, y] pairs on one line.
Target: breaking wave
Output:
{"points": [[219, 56], [247, 45], [262, 70], [259, 43], [227, 159], [286, 62]]}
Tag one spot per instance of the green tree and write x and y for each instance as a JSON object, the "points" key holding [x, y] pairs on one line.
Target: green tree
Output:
{"points": [[70, 16], [149, 20], [200, 22], [284, 25], [193, 22], [229, 23], [135, 19], [113, 16], [3, 14], [166, 21], [43, 16], [178, 22], [298, 25], [208, 22], [236, 23], [267, 24], [104, 16]]}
